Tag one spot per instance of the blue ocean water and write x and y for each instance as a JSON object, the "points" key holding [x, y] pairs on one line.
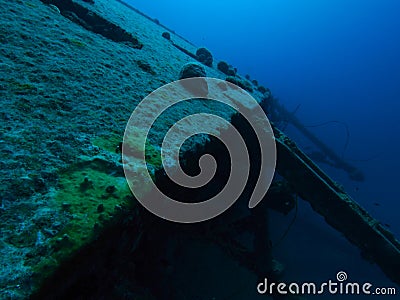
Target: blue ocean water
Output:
{"points": [[339, 60]]}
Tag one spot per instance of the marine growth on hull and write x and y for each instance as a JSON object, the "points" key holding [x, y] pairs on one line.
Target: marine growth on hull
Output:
{"points": [[73, 71]]}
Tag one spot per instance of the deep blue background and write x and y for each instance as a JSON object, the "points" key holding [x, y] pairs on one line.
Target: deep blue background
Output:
{"points": [[338, 59]]}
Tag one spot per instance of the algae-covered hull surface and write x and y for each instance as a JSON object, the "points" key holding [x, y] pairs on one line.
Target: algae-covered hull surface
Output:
{"points": [[71, 74]]}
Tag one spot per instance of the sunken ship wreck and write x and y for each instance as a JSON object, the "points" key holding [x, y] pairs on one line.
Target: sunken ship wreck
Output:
{"points": [[72, 73]]}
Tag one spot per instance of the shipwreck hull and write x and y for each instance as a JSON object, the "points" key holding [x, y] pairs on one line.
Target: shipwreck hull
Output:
{"points": [[73, 71]]}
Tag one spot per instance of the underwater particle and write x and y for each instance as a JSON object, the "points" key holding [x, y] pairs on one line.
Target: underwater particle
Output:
{"points": [[100, 208], [225, 68], [204, 56], [190, 70], [86, 184], [118, 149], [111, 189], [166, 35]]}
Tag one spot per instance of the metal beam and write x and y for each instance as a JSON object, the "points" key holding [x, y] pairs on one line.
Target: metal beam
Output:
{"points": [[327, 198]]}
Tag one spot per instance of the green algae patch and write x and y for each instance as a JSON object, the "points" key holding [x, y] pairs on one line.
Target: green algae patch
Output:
{"points": [[108, 142], [91, 194], [77, 42], [22, 88], [111, 143]]}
